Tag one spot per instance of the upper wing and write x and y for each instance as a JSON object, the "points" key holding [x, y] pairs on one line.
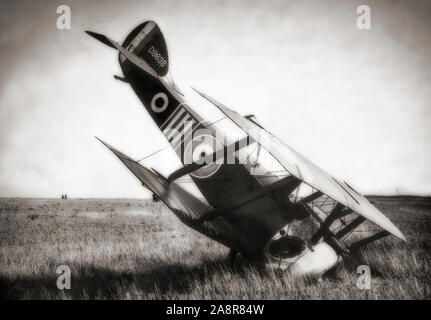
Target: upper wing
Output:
{"points": [[303, 169]]}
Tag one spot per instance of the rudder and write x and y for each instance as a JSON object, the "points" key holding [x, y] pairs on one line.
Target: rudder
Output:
{"points": [[147, 42]]}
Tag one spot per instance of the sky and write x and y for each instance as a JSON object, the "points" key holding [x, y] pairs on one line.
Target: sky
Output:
{"points": [[355, 102]]}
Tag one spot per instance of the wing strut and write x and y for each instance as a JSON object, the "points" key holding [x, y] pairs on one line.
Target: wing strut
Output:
{"points": [[311, 197], [329, 237], [368, 240]]}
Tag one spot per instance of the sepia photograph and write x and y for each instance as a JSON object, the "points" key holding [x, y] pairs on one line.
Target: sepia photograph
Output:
{"points": [[240, 151]]}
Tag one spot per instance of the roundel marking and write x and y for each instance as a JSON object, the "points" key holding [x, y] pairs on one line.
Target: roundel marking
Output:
{"points": [[156, 97], [201, 146]]}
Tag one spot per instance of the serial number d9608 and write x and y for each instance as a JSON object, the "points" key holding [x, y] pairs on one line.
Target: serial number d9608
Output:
{"points": [[157, 56], [236, 309]]}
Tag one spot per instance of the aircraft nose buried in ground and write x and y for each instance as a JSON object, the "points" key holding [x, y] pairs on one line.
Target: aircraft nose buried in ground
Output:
{"points": [[263, 200]]}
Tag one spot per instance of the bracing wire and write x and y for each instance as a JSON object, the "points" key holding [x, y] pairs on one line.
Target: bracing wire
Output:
{"points": [[167, 146]]}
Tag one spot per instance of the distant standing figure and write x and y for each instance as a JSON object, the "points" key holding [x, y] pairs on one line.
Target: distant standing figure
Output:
{"points": [[62, 196], [65, 196]]}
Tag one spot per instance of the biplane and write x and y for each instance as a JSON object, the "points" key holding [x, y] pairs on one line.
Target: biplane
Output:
{"points": [[262, 199]]}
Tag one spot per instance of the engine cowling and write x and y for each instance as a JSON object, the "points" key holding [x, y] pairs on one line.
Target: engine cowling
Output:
{"points": [[291, 253]]}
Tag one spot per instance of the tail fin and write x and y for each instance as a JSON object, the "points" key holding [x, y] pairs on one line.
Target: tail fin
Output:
{"points": [[147, 42]]}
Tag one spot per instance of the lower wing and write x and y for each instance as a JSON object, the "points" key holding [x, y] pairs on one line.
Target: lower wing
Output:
{"points": [[186, 207]]}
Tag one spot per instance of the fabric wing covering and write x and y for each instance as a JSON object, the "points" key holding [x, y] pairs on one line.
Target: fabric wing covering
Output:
{"points": [[309, 173]]}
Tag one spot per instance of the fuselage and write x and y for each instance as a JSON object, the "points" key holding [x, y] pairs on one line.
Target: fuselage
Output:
{"points": [[222, 184]]}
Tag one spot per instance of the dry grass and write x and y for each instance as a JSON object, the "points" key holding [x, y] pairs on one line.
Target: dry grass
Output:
{"points": [[134, 249]]}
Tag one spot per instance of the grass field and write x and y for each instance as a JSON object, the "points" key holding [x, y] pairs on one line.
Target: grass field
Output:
{"points": [[135, 249]]}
